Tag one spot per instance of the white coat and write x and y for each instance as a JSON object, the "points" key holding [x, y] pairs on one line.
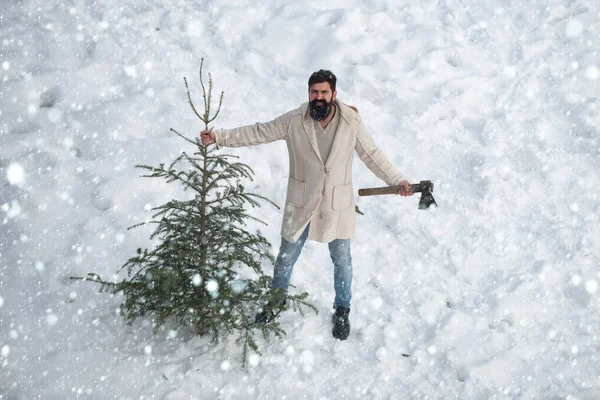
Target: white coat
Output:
{"points": [[318, 192]]}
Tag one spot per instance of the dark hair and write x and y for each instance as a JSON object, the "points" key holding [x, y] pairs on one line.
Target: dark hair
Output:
{"points": [[321, 76]]}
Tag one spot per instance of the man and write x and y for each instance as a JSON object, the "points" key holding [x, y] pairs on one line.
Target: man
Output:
{"points": [[321, 136]]}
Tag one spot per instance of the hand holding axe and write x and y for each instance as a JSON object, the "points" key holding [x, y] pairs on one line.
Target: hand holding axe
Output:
{"points": [[423, 187]]}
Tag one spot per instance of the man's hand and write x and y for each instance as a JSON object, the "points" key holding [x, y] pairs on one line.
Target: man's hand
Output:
{"points": [[207, 137], [405, 189]]}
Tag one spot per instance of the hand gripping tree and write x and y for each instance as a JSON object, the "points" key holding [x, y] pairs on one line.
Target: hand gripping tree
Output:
{"points": [[206, 270]]}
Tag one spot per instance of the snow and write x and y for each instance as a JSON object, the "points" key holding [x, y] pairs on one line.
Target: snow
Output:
{"points": [[494, 294]]}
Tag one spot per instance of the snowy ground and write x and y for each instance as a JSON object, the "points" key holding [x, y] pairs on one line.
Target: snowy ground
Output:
{"points": [[494, 295]]}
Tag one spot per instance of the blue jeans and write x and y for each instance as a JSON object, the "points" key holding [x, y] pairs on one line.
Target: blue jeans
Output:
{"points": [[339, 250]]}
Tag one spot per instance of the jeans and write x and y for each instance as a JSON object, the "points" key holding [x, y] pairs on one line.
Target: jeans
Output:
{"points": [[339, 250]]}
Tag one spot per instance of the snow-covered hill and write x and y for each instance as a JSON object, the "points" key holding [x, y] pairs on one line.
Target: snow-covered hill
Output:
{"points": [[493, 295]]}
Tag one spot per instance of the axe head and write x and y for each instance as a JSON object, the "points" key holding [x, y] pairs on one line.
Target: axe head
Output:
{"points": [[427, 200]]}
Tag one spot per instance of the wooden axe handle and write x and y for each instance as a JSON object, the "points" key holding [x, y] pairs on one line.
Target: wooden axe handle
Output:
{"points": [[414, 188]]}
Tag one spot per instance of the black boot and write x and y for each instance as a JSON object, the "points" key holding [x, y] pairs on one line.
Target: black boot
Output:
{"points": [[264, 316], [267, 314], [341, 324]]}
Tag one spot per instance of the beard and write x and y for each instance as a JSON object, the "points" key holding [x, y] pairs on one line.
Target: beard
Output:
{"points": [[320, 109]]}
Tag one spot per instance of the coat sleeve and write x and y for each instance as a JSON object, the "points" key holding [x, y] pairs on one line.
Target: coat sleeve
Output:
{"points": [[258, 133], [374, 158]]}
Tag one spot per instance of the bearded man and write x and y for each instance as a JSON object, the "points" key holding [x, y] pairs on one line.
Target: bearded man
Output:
{"points": [[321, 136]]}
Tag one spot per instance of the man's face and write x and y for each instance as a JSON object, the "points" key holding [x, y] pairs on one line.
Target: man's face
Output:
{"points": [[321, 99]]}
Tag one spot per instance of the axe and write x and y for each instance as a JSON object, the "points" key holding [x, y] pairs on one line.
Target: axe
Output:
{"points": [[423, 187]]}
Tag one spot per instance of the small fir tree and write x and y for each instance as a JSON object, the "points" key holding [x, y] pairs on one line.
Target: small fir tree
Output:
{"points": [[206, 270]]}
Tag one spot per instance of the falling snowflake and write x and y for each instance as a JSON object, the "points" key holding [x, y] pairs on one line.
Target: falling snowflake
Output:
{"points": [[591, 286], [15, 174], [196, 280], [573, 28], [39, 266], [52, 319], [212, 285], [226, 365], [253, 360], [592, 72]]}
